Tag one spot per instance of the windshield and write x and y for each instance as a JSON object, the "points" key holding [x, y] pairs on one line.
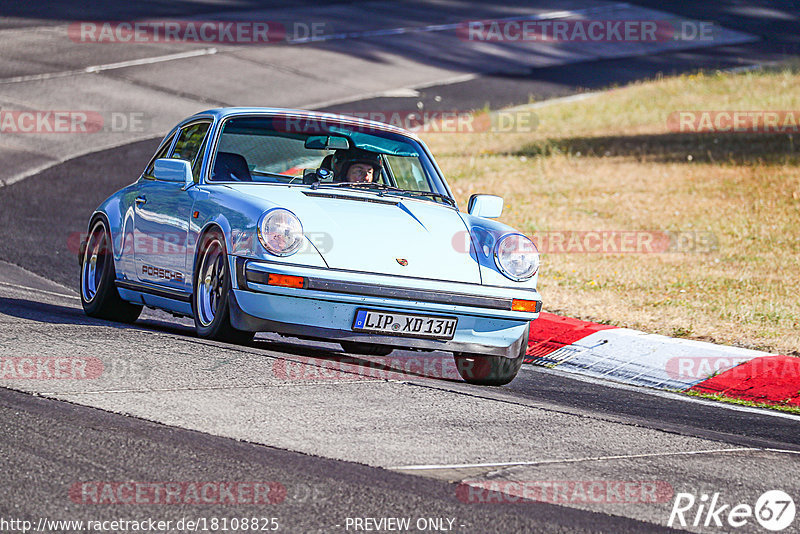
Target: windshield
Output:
{"points": [[272, 150]]}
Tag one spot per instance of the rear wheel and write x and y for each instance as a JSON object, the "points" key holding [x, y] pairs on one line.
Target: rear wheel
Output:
{"points": [[354, 347], [490, 370], [212, 288], [99, 295]]}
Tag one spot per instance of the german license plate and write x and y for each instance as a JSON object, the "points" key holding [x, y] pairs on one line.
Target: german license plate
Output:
{"points": [[404, 324]]}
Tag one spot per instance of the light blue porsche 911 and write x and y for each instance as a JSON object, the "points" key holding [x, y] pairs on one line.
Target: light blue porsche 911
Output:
{"points": [[315, 226]]}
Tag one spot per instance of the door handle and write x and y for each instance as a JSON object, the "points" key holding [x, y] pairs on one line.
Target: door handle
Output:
{"points": [[140, 200]]}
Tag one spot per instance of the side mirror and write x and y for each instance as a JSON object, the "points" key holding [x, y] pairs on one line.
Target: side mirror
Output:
{"points": [[173, 170], [486, 206]]}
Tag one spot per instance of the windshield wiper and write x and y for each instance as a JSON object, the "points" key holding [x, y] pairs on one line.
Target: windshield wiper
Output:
{"points": [[358, 185], [431, 194], [383, 188]]}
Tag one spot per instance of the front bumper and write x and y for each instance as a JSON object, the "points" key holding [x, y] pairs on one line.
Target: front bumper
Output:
{"points": [[326, 306]]}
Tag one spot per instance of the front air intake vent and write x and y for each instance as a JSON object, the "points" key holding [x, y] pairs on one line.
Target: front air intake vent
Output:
{"points": [[340, 196]]}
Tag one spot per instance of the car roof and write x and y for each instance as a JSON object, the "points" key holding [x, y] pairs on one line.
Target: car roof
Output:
{"points": [[224, 113]]}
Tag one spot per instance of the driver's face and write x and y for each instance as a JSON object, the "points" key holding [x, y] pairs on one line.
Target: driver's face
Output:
{"points": [[360, 172]]}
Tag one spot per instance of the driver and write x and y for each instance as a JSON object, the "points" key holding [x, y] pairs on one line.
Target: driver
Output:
{"points": [[356, 165]]}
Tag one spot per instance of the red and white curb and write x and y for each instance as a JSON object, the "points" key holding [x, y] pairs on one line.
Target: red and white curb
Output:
{"points": [[662, 362]]}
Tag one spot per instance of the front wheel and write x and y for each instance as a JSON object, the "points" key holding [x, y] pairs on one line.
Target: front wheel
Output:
{"points": [[212, 288], [490, 370], [99, 295]]}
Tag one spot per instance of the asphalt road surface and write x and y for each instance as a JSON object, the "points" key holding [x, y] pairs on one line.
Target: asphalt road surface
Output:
{"points": [[338, 441], [346, 437]]}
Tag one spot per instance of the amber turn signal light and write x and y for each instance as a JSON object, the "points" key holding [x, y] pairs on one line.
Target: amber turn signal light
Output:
{"points": [[524, 305], [285, 280]]}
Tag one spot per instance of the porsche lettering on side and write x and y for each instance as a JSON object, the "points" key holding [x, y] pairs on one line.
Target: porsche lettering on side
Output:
{"points": [[161, 273], [226, 221]]}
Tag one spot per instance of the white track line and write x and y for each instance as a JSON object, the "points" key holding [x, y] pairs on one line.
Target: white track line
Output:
{"points": [[28, 288], [109, 66], [587, 459]]}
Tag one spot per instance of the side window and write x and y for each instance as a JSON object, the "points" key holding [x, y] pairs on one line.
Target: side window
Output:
{"points": [[408, 173], [189, 141], [189, 146], [162, 153]]}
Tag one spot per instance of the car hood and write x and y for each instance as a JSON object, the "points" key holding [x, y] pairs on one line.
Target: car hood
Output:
{"points": [[366, 232]]}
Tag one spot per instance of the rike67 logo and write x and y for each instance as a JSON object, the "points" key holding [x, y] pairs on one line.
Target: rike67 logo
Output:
{"points": [[774, 510]]}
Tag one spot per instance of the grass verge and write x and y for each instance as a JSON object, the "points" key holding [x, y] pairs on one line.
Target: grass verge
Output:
{"points": [[613, 163], [733, 400]]}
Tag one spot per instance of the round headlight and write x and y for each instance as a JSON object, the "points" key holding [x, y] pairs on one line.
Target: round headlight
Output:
{"points": [[280, 232], [517, 257]]}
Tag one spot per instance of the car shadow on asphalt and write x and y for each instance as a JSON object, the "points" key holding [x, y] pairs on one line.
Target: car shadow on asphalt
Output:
{"points": [[400, 365], [44, 312]]}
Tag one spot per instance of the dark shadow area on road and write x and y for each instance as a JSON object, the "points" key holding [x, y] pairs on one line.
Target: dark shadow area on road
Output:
{"points": [[45, 312], [395, 367], [42, 312], [287, 347]]}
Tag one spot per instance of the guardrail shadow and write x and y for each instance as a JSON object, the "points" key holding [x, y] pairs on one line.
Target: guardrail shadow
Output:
{"points": [[689, 148]]}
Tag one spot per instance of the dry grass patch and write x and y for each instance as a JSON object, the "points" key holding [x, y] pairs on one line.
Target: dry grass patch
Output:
{"points": [[611, 163]]}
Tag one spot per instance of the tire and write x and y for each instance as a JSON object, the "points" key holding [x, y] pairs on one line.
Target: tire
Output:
{"points": [[484, 370], [211, 292], [99, 295], [354, 347]]}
